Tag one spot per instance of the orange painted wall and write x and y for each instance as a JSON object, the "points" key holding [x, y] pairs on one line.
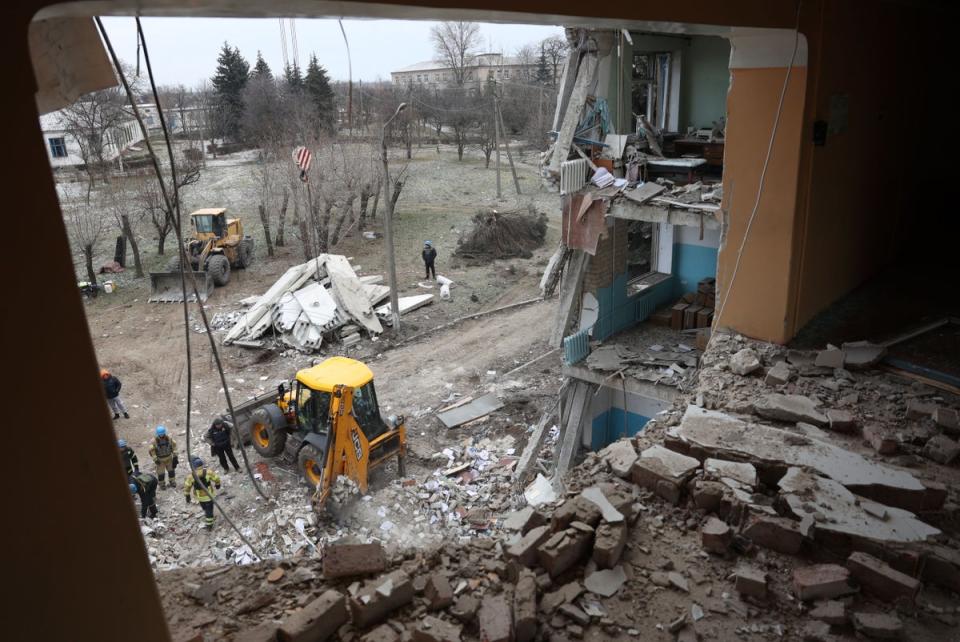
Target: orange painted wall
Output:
{"points": [[759, 301]]}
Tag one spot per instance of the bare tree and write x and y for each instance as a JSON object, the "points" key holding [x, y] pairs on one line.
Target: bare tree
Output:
{"points": [[153, 205], [554, 48], [454, 44], [117, 200], [526, 58], [86, 225]]}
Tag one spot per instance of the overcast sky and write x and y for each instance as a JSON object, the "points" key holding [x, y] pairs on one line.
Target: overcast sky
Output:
{"points": [[184, 50]]}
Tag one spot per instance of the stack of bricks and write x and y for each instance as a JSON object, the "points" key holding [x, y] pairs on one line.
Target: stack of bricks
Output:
{"points": [[695, 309]]}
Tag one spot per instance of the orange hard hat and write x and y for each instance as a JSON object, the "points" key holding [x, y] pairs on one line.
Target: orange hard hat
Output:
{"points": [[104, 373]]}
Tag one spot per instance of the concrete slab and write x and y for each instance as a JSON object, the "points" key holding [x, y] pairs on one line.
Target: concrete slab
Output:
{"points": [[790, 408], [470, 411], [719, 469]]}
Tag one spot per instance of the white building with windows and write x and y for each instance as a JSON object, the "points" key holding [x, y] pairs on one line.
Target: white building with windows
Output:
{"points": [[63, 150], [437, 74]]}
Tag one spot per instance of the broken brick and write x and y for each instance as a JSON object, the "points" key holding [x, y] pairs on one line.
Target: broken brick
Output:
{"points": [[525, 607], [564, 549], [917, 409], [433, 629], [263, 632], [941, 449], [816, 631], [576, 509], [620, 456], [345, 560], [495, 619], [880, 579], [377, 598], [821, 582], [383, 633], [318, 620], [525, 550], [948, 419], [750, 581], [575, 613], [438, 592], [778, 375], [715, 536], [882, 441], [833, 612], [710, 496], [776, 533], [566, 593], [465, 608], [609, 543], [523, 520], [878, 625], [664, 471], [830, 358], [841, 421]]}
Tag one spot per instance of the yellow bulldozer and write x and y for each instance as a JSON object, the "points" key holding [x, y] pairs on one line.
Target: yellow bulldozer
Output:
{"points": [[328, 423], [217, 244]]}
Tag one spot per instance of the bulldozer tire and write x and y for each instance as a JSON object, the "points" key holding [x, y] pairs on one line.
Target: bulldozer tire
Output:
{"points": [[268, 433], [310, 464], [245, 253], [219, 268]]}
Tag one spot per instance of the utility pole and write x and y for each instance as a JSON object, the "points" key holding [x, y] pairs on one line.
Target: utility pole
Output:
{"points": [[506, 145], [388, 223], [496, 143]]}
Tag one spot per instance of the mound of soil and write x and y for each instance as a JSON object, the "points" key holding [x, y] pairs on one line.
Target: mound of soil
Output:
{"points": [[503, 235]]}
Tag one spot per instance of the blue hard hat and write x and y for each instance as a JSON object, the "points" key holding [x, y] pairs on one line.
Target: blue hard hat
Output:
{"points": [[428, 243], [122, 443], [197, 462], [161, 431], [133, 489]]}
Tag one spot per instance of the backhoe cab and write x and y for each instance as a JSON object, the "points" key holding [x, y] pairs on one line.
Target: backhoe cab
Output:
{"points": [[329, 423]]}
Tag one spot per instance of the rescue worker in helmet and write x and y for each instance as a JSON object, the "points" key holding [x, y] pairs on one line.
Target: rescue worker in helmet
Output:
{"points": [[163, 450], [145, 485], [200, 484], [131, 464]]}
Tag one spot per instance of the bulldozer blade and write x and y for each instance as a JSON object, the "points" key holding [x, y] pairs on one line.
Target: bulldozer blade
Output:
{"points": [[165, 287]]}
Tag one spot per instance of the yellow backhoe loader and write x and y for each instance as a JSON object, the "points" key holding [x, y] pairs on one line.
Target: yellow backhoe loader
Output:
{"points": [[327, 421], [216, 245]]}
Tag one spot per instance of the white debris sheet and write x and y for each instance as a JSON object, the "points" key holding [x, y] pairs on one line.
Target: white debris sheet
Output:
{"points": [[310, 302]]}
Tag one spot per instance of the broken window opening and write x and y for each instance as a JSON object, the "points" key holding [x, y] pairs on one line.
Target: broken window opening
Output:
{"points": [[651, 88]]}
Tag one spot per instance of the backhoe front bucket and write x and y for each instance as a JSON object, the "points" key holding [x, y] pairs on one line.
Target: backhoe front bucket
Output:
{"points": [[165, 287]]}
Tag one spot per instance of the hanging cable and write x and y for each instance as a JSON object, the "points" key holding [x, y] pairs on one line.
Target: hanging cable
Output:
{"points": [[763, 172], [293, 43], [173, 215], [349, 77], [283, 44]]}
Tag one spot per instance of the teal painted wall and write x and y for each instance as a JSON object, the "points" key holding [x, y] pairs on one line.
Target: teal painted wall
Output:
{"points": [[704, 81], [690, 264], [617, 311], [608, 427]]}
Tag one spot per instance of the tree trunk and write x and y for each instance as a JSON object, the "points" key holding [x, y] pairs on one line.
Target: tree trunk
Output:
{"points": [[282, 219], [265, 221], [459, 149], [409, 146], [132, 240], [376, 199], [88, 259], [347, 213], [304, 235], [364, 199], [323, 228], [486, 156], [397, 188]]}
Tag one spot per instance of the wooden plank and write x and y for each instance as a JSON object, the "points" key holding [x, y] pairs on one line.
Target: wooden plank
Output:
{"points": [[569, 441], [569, 295], [529, 455]]}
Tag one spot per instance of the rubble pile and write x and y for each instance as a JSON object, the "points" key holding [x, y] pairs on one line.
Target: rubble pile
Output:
{"points": [[321, 300]]}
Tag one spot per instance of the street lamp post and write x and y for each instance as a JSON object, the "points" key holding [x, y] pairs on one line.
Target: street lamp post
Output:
{"points": [[388, 222]]}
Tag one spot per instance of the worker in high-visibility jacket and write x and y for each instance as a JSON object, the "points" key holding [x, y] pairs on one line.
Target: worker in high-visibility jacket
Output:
{"points": [[200, 476], [163, 450]]}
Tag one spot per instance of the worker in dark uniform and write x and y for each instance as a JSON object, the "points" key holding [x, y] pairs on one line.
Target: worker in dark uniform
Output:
{"points": [[199, 486], [429, 255], [145, 485], [218, 436], [131, 464], [111, 389]]}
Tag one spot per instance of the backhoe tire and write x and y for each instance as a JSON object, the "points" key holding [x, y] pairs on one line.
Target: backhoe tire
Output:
{"points": [[310, 463], [245, 253], [268, 431], [219, 268]]}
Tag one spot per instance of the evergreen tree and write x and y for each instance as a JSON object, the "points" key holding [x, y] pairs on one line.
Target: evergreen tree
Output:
{"points": [[293, 77], [228, 84], [317, 84], [541, 74], [261, 69]]}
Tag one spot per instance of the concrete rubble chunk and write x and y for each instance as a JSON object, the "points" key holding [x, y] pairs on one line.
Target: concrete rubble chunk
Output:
{"points": [[465, 608], [776, 533], [716, 536], [880, 439], [710, 496], [377, 598], [525, 550], [716, 434], [575, 613], [718, 469], [917, 409], [525, 607], [941, 449], [833, 612], [576, 509], [778, 375], [263, 632], [609, 514], [841, 421], [609, 543], [565, 548], [346, 560], [495, 619], [821, 582], [791, 408], [664, 471], [744, 362], [620, 456], [881, 626], [678, 581], [947, 419], [566, 593], [859, 355], [750, 581], [880, 579], [606, 582], [830, 358], [524, 519], [816, 631], [382, 633], [438, 592], [433, 629], [317, 621]]}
